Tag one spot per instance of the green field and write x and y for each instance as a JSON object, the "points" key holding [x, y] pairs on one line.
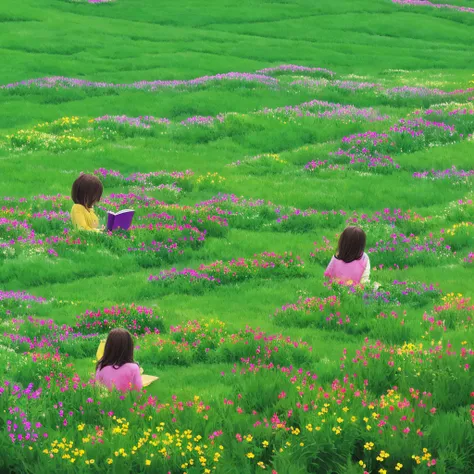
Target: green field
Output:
{"points": [[338, 112]]}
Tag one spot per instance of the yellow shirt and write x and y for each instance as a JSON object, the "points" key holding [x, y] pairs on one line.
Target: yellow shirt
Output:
{"points": [[84, 219]]}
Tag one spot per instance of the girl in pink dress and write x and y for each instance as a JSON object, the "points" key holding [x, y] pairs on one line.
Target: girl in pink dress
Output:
{"points": [[116, 368], [351, 264]]}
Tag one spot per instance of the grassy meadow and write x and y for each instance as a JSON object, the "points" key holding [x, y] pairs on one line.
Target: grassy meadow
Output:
{"points": [[245, 136]]}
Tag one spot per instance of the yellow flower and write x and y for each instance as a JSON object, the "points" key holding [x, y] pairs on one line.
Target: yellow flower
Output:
{"points": [[81, 427], [109, 461], [147, 462], [398, 466], [265, 444], [382, 471], [250, 455]]}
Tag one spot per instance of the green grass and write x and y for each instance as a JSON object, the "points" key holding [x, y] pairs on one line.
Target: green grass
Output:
{"points": [[127, 41]]}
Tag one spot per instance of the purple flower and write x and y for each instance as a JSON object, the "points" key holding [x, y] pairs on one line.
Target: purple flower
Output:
{"points": [[426, 3]]}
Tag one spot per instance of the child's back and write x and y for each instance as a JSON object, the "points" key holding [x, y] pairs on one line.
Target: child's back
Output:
{"points": [[84, 219], [116, 367], [126, 377], [356, 271], [351, 264]]}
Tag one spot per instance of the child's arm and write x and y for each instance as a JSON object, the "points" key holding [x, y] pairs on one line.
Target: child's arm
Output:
{"points": [[366, 275], [329, 269], [137, 382]]}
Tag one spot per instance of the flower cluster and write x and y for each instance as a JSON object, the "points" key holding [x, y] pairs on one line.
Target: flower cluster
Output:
{"points": [[426, 3], [138, 122], [33, 140], [379, 89], [452, 172], [338, 84], [67, 82], [209, 179], [137, 319], [311, 311], [322, 164], [113, 177], [375, 149], [410, 249], [263, 158], [20, 296], [260, 265], [325, 110]]}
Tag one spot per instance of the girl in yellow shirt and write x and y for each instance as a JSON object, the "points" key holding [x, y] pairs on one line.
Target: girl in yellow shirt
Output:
{"points": [[86, 191]]}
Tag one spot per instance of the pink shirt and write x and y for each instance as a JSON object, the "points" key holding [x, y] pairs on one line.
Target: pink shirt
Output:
{"points": [[124, 378], [357, 271]]}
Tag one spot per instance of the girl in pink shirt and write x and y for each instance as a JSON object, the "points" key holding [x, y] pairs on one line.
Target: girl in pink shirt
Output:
{"points": [[116, 368], [351, 264]]}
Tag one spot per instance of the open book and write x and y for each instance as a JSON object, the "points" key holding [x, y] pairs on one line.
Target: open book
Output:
{"points": [[120, 220], [146, 379]]}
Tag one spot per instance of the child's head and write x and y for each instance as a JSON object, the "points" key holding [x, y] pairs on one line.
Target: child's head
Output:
{"points": [[87, 190], [118, 349], [351, 244]]}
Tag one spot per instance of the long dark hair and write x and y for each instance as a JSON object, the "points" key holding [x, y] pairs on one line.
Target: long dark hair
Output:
{"points": [[351, 244], [87, 190], [118, 349]]}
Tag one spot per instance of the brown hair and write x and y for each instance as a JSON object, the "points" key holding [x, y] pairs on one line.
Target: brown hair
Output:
{"points": [[118, 350], [351, 244], [87, 190]]}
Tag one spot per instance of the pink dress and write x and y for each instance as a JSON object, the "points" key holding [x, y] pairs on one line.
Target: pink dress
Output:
{"points": [[124, 378], [357, 271]]}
